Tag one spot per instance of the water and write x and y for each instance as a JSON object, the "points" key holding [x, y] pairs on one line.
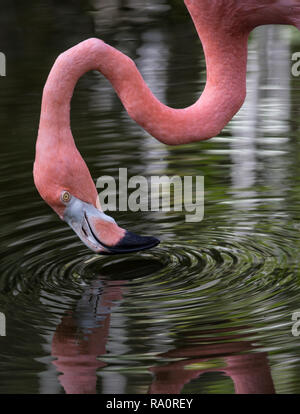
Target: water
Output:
{"points": [[210, 309]]}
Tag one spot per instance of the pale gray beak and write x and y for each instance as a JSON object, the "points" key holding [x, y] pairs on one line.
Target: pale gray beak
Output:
{"points": [[80, 216]]}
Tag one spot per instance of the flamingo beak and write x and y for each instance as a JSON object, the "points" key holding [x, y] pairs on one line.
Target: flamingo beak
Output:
{"points": [[83, 218]]}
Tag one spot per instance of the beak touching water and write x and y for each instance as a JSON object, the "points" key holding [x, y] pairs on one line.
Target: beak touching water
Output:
{"points": [[100, 232]]}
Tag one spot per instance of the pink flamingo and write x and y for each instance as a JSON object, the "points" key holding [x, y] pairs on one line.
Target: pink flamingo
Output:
{"points": [[61, 175]]}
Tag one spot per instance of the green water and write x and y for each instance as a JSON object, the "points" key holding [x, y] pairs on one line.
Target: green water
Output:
{"points": [[210, 309]]}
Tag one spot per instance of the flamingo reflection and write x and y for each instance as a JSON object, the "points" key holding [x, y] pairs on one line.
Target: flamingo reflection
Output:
{"points": [[249, 371], [81, 337]]}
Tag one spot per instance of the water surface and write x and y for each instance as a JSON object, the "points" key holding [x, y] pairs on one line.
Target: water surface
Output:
{"points": [[210, 309]]}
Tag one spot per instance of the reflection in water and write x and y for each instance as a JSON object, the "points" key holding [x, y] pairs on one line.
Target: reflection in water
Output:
{"points": [[250, 373], [265, 111], [81, 337], [79, 345]]}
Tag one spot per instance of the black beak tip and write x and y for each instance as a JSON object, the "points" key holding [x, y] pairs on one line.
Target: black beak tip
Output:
{"points": [[132, 242]]}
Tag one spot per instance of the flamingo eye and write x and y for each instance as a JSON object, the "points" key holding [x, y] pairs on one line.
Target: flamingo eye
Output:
{"points": [[65, 196]]}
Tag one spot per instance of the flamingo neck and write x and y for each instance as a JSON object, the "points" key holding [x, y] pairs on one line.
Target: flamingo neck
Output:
{"points": [[226, 60], [223, 95], [223, 27]]}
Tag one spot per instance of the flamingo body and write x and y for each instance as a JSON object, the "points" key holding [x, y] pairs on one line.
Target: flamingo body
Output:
{"points": [[61, 175]]}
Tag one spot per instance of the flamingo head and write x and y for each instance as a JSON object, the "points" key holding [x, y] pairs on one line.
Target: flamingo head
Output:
{"points": [[73, 196], [99, 231]]}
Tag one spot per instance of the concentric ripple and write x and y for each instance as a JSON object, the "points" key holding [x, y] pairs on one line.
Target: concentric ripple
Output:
{"points": [[228, 288], [218, 269]]}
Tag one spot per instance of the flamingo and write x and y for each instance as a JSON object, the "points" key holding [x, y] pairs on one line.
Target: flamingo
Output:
{"points": [[60, 174]]}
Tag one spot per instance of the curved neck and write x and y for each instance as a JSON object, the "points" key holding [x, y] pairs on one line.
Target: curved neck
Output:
{"points": [[226, 59]]}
